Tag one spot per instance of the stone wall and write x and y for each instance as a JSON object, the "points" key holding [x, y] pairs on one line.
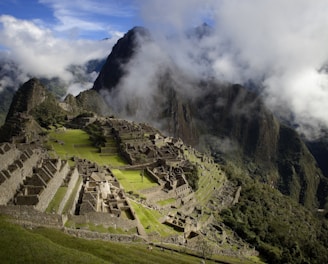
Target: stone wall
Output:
{"points": [[104, 219], [10, 185], [153, 176], [8, 153], [151, 190], [46, 196], [86, 234], [160, 195], [70, 187], [27, 215], [76, 199]]}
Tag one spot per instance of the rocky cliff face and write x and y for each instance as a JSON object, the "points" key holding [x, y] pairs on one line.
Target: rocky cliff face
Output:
{"points": [[113, 69], [31, 94], [227, 119]]}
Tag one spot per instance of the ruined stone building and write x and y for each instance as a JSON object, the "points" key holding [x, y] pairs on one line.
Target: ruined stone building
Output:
{"points": [[39, 188], [16, 165], [101, 192]]}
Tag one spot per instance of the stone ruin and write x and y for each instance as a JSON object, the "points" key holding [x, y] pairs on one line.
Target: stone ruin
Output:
{"points": [[100, 197], [161, 159], [30, 179], [140, 143], [39, 188], [28, 176], [101, 192], [171, 178], [16, 166]]}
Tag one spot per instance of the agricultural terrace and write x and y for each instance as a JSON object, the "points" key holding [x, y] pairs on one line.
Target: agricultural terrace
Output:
{"points": [[76, 142], [133, 180], [151, 220], [211, 177]]}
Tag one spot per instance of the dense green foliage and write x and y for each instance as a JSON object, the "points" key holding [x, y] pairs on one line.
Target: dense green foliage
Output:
{"points": [[49, 113], [96, 134], [193, 178], [281, 229]]}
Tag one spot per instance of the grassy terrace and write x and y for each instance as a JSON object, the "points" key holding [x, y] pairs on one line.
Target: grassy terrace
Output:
{"points": [[76, 142], [210, 178], [70, 201], [132, 180], [55, 202], [166, 202], [150, 219]]}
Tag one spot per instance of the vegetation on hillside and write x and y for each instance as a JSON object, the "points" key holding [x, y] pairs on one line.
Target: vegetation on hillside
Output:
{"points": [[49, 113], [96, 134], [282, 230]]}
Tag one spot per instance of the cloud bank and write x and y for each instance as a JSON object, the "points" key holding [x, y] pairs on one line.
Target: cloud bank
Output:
{"points": [[279, 45], [39, 53]]}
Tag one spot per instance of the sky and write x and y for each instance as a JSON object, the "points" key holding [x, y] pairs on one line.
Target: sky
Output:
{"points": [[87, 19], [46, 37], [280, 45]]}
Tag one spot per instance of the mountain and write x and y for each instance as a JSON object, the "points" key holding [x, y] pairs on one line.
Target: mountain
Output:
{"points": [[33, 106], [11, 76], [236, 201], [228, 120], [233, 209], [122, 52]]}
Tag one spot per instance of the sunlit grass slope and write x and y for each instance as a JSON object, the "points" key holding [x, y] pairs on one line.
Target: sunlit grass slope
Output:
{"points": [[76, 142], [42, 245], [132, 180]]}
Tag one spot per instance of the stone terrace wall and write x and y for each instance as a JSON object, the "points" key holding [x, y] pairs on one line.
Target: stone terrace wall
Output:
{"points": [[52, 187], [8, 153], [104, 219], [9, 187], [76, 199], [70, 188], [27, 215], [158, 195], [86, 234]]}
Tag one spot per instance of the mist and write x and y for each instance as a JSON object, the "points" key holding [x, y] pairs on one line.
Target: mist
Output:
{"points": [[278, 45], [29, 49]]}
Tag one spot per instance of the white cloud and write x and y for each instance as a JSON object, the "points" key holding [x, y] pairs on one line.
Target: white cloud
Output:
{"points": [[279, 44], [79, 17], [39, 53]]}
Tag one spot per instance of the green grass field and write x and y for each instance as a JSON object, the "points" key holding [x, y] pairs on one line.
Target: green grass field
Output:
{"points": [[76, 142], [166, 202], [132, 180], [150, 219], [42, 245]]}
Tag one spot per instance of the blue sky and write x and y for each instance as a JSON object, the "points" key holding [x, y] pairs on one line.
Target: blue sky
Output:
{"points": [[88, 19]]}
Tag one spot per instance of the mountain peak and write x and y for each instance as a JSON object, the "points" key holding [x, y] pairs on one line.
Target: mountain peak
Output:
{"points": [[122, 52], [29, 95]]}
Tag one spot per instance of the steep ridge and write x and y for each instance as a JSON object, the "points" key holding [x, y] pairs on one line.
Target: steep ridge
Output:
{"points": [[31, 94], [113, 69], [33, 107], [229, 120]]}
